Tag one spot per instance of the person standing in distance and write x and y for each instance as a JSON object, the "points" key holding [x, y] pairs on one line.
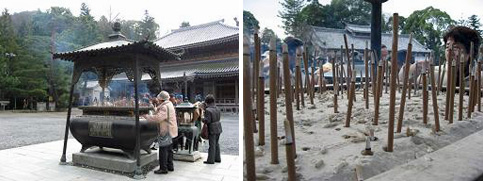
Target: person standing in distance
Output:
{"points": [[212, 119]]}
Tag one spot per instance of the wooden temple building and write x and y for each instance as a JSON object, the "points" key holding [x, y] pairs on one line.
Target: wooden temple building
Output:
{"points": [[208, 65]]}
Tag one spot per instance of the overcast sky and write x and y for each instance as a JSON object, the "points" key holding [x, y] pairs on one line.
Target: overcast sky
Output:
{"points": [[167, 13], [266, 11]]}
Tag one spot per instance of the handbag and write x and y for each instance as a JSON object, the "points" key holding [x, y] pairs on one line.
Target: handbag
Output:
{"points": [[204, 131]]}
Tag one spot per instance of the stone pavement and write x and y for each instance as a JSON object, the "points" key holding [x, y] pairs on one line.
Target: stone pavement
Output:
{"points": [[462, 161], [41, 162]]}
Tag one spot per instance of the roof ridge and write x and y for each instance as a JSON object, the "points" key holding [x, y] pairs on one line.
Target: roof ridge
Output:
{"points": [[198, 26], [194, 27]]}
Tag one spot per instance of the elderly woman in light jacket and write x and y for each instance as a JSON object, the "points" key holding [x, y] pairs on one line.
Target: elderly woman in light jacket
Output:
{"points": [[168, 129]]}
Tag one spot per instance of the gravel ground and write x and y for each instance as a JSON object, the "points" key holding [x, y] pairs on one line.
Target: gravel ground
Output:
{"points": [[21, 129], [229, 137]]}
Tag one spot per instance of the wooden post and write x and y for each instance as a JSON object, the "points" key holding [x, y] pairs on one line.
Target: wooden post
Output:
{"points": [[321, 74], [379, 87], [256, 40], [471, 97], [439, 76], [425, 99], [335, 85], [392, 96], [405, 81], [452, 88], [461, 87], [474, 95], [288, 92], [247, 114], [261, 105], [366, 69], [301, 84], [273, 102], [289, 151], [297, 80], [349, 72], [373, 75], [448, 84], [308, 84], [470, 94], [478, 76], [341, 75], [434, 99], [351, 101]]}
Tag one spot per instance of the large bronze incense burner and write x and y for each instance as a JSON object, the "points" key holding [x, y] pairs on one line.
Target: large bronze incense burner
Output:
{"points": [[113, 127], [123, 130]]}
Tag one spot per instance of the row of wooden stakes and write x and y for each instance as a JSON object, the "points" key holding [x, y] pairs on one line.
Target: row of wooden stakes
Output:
{"points": [[295, 93]]}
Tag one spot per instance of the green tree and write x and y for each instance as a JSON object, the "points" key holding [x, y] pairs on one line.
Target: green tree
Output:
{"points": [[8, 45], [250, 23], [314, 14], [427, 26], [293, 23], [267, 35], [387, 26], [474, 23], [184, 24], [148, 27]]}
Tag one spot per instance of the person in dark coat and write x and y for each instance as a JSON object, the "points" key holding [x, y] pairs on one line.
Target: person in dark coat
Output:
{"points": [[212, 119]]}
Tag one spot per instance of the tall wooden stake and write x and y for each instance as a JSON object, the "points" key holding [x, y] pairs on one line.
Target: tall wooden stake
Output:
{"points": [[256, 40], [392, 96], [289, 151], [379, 87], [366, 69], [452, 88], [335, 84], [461, 88], [471, 95], [405, 82], [448, 84], [288, 92], [425, 99], [434, 99], [247, 114], [273, 102], [351, 101], [261, 105], [349, 72], [297, 80]]}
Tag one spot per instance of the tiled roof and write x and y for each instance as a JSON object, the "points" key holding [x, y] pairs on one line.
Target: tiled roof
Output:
{"points": [[334, 38], [192, 35], [357, 28], [201, 69], [114, 46]]}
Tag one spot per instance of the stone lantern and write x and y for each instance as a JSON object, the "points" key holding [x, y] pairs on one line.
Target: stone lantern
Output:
{"points": [[188, 133]]}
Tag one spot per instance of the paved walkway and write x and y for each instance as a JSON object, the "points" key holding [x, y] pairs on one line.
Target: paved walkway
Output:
{"points": [[41, 162]]}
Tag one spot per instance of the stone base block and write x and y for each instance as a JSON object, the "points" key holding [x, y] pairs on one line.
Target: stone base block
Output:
{"points": [[183, 155], [112, 159]]}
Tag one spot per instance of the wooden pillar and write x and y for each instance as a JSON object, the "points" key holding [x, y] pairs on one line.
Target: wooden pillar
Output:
{"points": [[351, 101], [448, 84], [392, 96], [376, 95], [434, 99], [335, 84], [273, 103], [405, 84], [452, 88], [366, 85], [461, 87], [255, 63], [261, 106], [247, 114], [425, 99], [297, 80], [288, 94], [289, 151]]}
